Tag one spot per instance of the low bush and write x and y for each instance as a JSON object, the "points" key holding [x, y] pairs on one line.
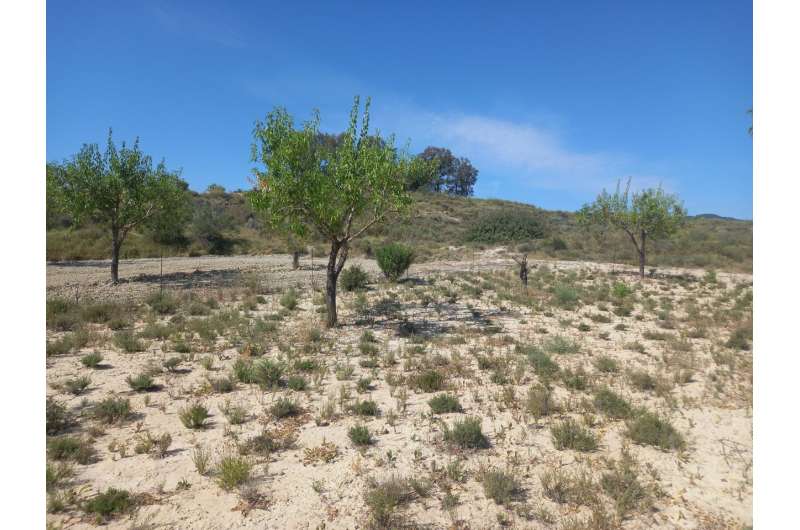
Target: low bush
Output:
{"points": [[289, 299], [466, 434], [612, 404], [128, 342], [383, 498], [506, 227], [70, 448], [353, 278], [500, 486], [542, 364], [163, 303], [112, 410], [232, 471], [648, 428], [267, 373], [444, 403], [76, 385], [540, 402], [297, 383], [194, 416], [569, 435], [141, 383], [429, 381], [284, 407], [360, 435], [111, 502], [366, 408], [394, 260], [92, 360]]}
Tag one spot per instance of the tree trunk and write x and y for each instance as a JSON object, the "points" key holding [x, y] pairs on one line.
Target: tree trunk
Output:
{"points": [[330, 285], [296, 259], [642, 256], [115, 246]]}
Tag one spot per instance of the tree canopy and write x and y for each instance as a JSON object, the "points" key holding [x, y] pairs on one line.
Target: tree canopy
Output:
{"points": [[120, 189], [648, 214], [452, 175], [338, 187]]}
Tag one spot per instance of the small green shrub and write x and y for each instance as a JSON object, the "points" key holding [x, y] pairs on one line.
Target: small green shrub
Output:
{"points": [[235, 414], [92, 360], [366, 408], [739, 339], [394, 260], [444, 403], [353, 278], [194, 416], [429, 381], [383, 498], [466, 434], [540, 402], [576, 380], [565, 295], [306, 365], [648, 428], [363, 384], [623, 486], [500, 486], [284, 407], [163, 303], [642, 380], [569, 435], [62, 315], [267, 373], [77, 385], [562, 345], [232, 471], [297, 383], [620, 290], [70, 448], [128, 342], [612, 404], [542, 364], [112, 410], [289, 299], [360, 435], [111, 502], [606, 364], [141, 383], [221, 385], [243, 371]]}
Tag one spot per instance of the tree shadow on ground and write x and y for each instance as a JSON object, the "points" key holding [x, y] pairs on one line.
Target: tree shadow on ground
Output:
{"points": [[430, 321], [190, 280]]}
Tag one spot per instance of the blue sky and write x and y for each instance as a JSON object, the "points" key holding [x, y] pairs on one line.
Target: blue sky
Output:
{"points": [[551, 100]]}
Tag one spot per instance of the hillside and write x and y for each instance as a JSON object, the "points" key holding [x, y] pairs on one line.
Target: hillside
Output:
{"points": [[439, 226]]}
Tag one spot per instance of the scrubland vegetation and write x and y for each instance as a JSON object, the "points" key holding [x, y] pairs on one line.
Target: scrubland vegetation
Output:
{"points": [[437, 222], [389, 392], [442, 400]]}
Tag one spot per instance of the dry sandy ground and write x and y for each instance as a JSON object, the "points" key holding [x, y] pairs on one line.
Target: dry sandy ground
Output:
{"points": [[707, 485], [139, 277]]}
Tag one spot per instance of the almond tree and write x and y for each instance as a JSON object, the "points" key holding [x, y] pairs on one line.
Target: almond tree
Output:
{"points": [[336, 189], [119, 189], [648, 214]]}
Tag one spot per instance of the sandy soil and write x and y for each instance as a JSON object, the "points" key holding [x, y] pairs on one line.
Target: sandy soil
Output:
{"points": [[138, 277], [706, 485]]}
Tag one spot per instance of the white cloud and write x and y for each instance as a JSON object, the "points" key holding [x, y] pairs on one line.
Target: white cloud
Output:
{"points": [[516, 145], [525, 153]]}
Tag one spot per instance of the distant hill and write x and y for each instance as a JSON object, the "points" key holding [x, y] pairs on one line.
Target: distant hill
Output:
{"points": [[715, 216], [440, 226]]}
